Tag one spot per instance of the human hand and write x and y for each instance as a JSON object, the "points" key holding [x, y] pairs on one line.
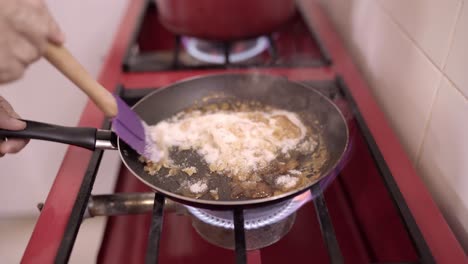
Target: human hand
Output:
{"points": [[9, 120], [26, 27]]}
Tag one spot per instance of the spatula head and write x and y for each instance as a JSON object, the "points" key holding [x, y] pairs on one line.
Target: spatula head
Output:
{"points": [[134, 131]]}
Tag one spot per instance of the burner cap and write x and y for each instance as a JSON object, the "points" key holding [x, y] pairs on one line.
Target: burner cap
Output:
{"points": [[213, 52]]}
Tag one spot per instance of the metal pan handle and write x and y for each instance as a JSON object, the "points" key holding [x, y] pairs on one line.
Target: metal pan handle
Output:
{"points": [[85, 137]]}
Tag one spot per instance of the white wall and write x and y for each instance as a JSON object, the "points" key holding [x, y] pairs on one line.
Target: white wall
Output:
{"points": [[44, 95], [414, 55]]}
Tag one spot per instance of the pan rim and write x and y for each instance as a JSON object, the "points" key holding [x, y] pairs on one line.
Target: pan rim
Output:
{"points": [[249, 202]]}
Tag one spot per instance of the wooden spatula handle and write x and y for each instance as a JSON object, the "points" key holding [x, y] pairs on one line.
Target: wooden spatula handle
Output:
{"points": [[62, 59]]}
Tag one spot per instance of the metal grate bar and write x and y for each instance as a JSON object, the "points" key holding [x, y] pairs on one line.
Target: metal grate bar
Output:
{"points": [[143, 63], [389, 181], [272, 48], [227, 51], [126, 67], [326, 226], [81, 203], [239, 235], [152, 250], [177, 48]]}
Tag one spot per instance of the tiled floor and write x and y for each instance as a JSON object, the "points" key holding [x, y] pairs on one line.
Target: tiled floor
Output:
{"points": [[15, 233]]}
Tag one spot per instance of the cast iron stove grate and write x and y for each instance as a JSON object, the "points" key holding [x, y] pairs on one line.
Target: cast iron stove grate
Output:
{"points": [[334, 89]]}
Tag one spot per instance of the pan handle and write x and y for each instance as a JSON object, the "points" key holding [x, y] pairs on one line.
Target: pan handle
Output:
{"points": [[85, 137]]}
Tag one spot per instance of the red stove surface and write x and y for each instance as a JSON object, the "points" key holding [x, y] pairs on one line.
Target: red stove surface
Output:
{"points": [[356, 202]]}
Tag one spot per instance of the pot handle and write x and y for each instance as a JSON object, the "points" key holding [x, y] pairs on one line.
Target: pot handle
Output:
{"points": [[84, 137]]}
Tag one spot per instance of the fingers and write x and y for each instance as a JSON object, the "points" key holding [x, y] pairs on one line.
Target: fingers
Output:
{"points": [[8, 117], [16, 53], [24, 51], [12, 71], [10, 123], [54, 34], [26, 26], [41, 26], [8, 120], [12, 146], [6, 106], [31, 22]]}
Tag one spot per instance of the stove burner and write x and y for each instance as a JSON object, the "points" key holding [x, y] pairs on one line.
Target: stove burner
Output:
{"points": [[263, 226], [254, 238], [253, 218], [213, 52]]}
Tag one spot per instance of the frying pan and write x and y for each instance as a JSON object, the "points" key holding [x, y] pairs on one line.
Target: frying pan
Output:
{"points": [[224, 20], [314, 108]]}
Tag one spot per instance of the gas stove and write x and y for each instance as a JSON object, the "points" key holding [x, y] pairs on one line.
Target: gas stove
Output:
{"points": [[347, 211], [375, 209]]}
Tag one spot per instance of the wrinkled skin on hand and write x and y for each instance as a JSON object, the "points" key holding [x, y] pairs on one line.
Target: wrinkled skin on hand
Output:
{"points": [[9, 120], [26, 27]]}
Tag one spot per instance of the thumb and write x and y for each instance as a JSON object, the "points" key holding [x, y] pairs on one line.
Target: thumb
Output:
{"points": [[10, 123], [8, 117]]}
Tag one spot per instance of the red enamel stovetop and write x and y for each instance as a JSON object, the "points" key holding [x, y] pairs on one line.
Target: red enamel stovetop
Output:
{"points": [[377, 210]]}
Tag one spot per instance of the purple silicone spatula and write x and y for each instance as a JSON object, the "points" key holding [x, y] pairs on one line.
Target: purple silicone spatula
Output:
{"points": [[125, 122]]}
